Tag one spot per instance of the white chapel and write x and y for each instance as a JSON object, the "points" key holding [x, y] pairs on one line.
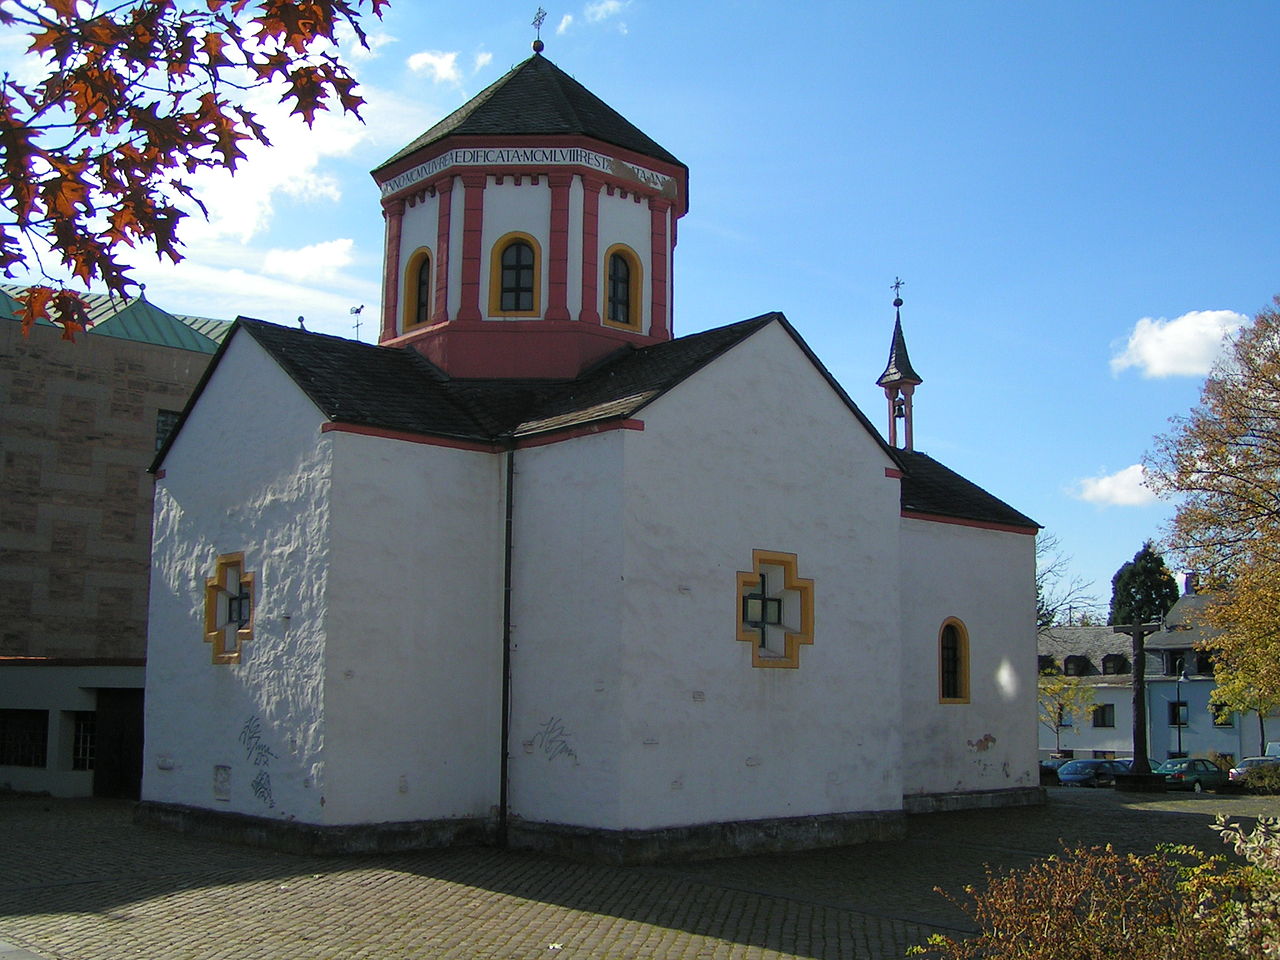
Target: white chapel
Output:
{"points": [[536, 571]]}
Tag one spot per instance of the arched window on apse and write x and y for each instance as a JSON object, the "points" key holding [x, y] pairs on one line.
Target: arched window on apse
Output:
{"points": [[622, 307]]}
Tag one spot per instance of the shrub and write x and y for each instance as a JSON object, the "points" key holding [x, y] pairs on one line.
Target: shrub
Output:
{"points": [[1264, 778], [1091, 904], [1249, 901], [1096, 904]]}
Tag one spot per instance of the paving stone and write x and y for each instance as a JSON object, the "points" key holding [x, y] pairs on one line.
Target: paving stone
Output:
{"points": [[79, 881]]}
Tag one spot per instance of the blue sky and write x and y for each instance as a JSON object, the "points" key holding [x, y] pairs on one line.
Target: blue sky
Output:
{"points": [[1081, 198]]}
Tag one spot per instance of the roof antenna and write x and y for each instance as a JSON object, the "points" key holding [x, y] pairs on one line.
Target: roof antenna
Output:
{"points": [[538, 17], [355, 312], [301, 326]]}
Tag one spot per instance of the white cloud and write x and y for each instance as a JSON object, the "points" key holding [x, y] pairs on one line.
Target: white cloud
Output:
{"points": [[442, 66], [241, 205], [602, 10], [351, 49], [1185, 346], [219, 286], [565, 22], [482, 61], [317, 262], [1124, 488]]}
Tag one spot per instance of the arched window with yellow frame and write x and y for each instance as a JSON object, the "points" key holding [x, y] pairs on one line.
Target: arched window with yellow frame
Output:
{"points": [[515, 277], [623, 306], [953, 662], [417, 289]]}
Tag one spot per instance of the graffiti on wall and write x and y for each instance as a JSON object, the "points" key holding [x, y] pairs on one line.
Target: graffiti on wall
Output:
{"points": [[552, 740], [260, 755]]}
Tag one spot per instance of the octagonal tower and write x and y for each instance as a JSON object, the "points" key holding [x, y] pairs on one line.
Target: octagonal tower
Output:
{"points": [[530, 232]]}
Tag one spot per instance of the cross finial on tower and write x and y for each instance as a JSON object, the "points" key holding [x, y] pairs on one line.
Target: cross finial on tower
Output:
{"points": [[537, 25], [896, 287]]}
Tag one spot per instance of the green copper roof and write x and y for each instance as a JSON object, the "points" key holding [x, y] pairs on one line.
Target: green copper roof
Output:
{"points": [[145, 322], [138, 320]]}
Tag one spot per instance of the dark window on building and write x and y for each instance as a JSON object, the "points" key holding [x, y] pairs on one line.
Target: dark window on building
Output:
{"points": [[951, 665], [422, 301], [24, 738], [1045, 662], [1174, 661], [1104, 754], [1115, 663], [517, 276], [1104, 715], [84, 741], [619, 289], [1222, 717], [1076, 666], [166, 420], [1178, 713], [1204, 663]]}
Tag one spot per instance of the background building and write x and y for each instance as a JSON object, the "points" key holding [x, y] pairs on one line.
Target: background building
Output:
{"points": [[1181, 721], [79, 425]]}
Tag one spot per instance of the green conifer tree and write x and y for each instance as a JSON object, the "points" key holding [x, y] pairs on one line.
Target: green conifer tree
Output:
{"points": [[1143, 589]]}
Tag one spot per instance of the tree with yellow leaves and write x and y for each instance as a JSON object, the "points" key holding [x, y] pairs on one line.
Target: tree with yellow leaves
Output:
{"points": [[1222, 463]]}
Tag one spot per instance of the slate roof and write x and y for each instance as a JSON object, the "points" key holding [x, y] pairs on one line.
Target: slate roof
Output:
{"points": [[137, 319], [398, 389], [929, 487], [1182, 628], [898, 369], [537, 98]]}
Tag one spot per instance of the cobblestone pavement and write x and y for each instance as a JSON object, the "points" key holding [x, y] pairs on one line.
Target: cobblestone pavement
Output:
{"points": [[79, 881]]}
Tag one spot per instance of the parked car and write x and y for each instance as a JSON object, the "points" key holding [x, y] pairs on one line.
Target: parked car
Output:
{"points": [[1185, 773], [1090, 773], [1049, 769], [1128, 763], [1240, 769]]}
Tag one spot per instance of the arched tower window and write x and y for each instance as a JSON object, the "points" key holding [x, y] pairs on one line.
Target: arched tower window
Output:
{"points": [[623, 306], [515, 277], [953, 662], [417, 289]]}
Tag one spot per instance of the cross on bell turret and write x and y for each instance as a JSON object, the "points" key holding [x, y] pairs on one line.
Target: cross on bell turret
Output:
{"points": [[899, 378]]}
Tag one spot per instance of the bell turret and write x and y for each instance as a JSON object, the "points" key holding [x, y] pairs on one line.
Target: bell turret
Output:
{"points": [[899, 379]]}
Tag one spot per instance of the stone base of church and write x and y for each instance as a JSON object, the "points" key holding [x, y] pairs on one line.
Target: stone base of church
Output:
{"points": [[315, 839], [708, 840], [976, 800], [697, 842]]}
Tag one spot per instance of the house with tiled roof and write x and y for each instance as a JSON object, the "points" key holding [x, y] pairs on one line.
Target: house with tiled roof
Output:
{"points": [[80, 424], [535, 570]]}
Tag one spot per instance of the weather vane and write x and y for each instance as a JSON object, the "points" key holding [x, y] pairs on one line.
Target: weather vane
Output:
{"points": [[537, 25], [896, 287]]}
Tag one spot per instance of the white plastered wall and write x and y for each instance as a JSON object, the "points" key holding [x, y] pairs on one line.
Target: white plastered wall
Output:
{"points": [[238, 481], [566, 610], [414, 652], [985, 579], [636, 706]]}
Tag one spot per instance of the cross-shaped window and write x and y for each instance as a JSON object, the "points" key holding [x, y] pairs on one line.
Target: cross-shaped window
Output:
{"points": [[775, 609], [228, 608]]}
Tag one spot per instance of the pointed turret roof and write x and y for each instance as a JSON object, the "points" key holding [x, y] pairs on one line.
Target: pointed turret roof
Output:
{"points": [[537, 98], [898, 369]]}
